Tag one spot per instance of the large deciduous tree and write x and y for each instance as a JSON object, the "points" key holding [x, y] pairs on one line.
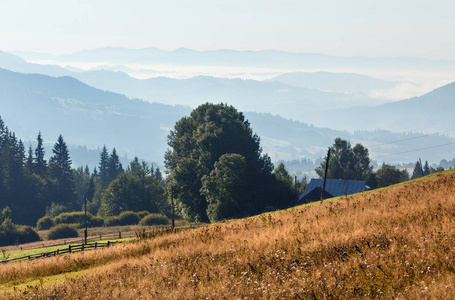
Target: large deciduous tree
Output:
{"points": [[225, 188], [200, 140]]}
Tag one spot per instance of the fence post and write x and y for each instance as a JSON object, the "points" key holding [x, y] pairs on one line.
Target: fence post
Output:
{"points": [[95, 244], [119, 235], [100, 237], [108, 243], [69, 248]]}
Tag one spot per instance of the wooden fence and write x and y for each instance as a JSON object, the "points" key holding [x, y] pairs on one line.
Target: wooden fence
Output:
{"points": [[70, 249]]}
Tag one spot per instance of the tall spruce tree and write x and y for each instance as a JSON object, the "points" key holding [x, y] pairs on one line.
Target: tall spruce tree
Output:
{"points": [[2, 162], [418, 171], [40, 162], [426, 169], [61, 172], [114, 167], [103, 168], [29, 165]]}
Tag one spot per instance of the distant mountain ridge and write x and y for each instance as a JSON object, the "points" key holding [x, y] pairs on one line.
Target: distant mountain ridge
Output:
{"points": [[245, 94], [432, 112], [87, 116], [229, 57], [344, 83]]}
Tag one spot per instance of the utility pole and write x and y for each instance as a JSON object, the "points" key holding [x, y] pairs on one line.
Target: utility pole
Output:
{"points": [[85, 209], [325, 174], [295, 187], [173, 207]]}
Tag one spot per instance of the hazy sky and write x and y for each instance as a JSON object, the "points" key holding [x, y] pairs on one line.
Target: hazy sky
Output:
{"points": [[350, 27]]}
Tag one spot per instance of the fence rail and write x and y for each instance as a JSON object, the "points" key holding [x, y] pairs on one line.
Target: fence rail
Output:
{"points": [[77, 244], [70, 249]]}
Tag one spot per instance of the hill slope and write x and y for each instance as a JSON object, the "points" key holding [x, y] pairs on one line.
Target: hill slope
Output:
{"points": [[92, 117], [391, 243], [432, 112]]}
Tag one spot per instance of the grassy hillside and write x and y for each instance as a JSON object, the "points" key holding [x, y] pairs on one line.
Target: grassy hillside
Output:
{"points": [[391, 243]]}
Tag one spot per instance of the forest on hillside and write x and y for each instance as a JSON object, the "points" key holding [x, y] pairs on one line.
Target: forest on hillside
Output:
{"points": [[215, 170]]}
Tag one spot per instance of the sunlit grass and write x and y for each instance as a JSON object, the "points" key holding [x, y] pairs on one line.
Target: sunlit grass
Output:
{"points": [[392, 243]]}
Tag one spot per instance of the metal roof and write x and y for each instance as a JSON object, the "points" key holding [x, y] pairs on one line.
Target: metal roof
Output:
{"points": [[336, 187]]}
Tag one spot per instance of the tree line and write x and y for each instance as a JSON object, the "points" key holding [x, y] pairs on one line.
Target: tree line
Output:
{"points": [[215, 170], [353, 163], [31, 187]]}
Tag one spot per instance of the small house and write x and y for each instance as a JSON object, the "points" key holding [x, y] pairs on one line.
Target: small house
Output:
{"points": [[333, 188]]}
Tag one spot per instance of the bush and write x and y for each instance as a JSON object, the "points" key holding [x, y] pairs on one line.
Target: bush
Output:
{"points": [[11, 234], [96, 221], [125, 218], [154, 219], [27, 234], [112, 221], [78, 218], [142, 214], [62, 231], [128, 218], [45, 223]]}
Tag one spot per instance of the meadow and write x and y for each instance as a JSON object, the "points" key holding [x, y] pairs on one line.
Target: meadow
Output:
{"points": [[396, 242]]}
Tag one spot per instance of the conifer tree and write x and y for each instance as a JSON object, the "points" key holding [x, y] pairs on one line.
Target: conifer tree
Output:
{"points": [[87, 170], [103, 167], [417, 171], [426, 169], [40, 162], [114, 167], [29, 165], [60, 170]]}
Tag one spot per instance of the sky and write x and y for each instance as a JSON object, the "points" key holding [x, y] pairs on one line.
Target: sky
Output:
{"points": [[417, 28]]}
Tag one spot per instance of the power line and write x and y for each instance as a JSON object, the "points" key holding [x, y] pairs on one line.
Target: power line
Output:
{"points": [[415, 150], [413, 138]]}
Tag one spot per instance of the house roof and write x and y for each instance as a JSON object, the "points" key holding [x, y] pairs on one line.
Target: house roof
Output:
{"points": [[336, 187]]}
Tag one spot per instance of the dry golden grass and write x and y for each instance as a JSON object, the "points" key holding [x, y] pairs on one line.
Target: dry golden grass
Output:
{"points": [[393, 243]]}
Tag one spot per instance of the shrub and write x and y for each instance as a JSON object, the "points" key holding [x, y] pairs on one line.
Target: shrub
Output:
{"points": [[96, 221], [154, 219], [11, 234], [78, 219], [44, 223], [112, 221], [142, 214], [128, 218], [27, 234], [62, 231]]}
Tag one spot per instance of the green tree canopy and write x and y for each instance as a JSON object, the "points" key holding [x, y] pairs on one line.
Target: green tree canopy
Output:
{"points": [[346, 162], [388, 175], [133, 191], [225, 188], [198, 141]]}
